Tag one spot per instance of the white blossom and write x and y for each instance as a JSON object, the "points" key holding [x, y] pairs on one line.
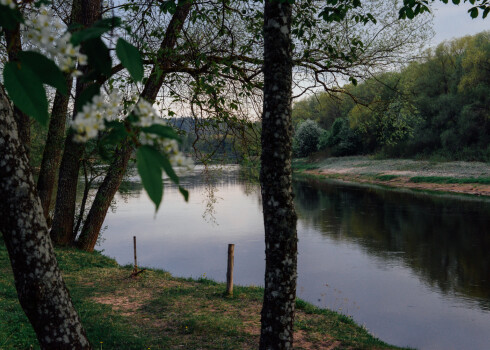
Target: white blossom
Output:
{"points": [[43, 34], [91, 119], [9, 3], [148, 116]]}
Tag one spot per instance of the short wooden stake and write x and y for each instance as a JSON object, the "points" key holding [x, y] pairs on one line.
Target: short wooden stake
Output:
{"points": [[229, 273], [135, 270]]}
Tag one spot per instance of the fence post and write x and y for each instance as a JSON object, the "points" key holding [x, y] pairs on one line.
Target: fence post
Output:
{"points": [[135, 258], [229, 273]]}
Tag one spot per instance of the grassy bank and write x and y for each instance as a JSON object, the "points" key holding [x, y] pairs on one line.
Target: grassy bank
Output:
{"points": [[158, 311], [457, 177]]}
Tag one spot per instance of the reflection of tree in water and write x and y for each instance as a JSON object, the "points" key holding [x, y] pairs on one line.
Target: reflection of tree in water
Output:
{"points": [[210, 176], [444, 240]]}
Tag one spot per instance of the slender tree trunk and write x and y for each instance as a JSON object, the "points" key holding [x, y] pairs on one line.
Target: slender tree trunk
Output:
{"points": [[14, 46], [113, 179], [86, 189], [277, 317], [105, 194], [64, 212], [40, 287], [53, 148], [85, 13]]}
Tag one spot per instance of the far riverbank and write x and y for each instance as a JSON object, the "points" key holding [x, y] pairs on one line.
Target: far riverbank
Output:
{"points": [[455, 177]]}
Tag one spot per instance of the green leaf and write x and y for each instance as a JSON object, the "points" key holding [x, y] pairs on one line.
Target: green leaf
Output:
{"points": [[168, 6], [98, 55], [86, 96], [165, 163], [485, 12], [130, 58], [45, 69], [116, 135], [184, 192], [409, 13], [95, 31], [162, 130], [473, 12], [148, 161], [9, 17], [26, 91], [87, 34]]}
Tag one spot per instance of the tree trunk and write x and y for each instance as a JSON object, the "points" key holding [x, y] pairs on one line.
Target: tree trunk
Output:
{"points": [[112, 181], [277, 316], [85, 13], [105, 194], [14, 46], [53, 148], [40, 287], [64, 212]]}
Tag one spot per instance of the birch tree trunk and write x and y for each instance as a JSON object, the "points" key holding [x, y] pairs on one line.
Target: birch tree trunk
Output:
{"points": [[40, 287], [277, 316]]}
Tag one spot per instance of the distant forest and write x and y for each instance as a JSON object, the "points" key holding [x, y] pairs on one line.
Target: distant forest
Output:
{"points": [[437, 106]]}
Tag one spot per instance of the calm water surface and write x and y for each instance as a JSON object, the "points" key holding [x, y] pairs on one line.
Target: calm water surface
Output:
{"points": [[413, 269]]}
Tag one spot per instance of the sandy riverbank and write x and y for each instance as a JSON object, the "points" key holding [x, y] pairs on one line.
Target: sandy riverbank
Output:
{"points": [[404, 173]]}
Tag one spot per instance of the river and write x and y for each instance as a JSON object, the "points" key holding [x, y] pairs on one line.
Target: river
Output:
{"points": [[413, 268]]}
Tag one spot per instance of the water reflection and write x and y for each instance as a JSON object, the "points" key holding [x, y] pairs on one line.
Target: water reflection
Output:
{"points": [[444, 241], [412, 268]]}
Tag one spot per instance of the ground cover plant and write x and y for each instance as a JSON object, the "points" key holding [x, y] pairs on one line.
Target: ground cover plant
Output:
{"points": [[158, 311]]}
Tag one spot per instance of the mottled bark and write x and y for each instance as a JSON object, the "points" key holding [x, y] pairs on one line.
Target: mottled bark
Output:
{"points": [[40, 287], [85, 13], [277, 316], [53, 148], [113, 179], [14, 46]]}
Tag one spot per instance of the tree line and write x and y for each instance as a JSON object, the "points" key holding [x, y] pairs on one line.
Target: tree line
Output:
{"points": [[437, 106]]}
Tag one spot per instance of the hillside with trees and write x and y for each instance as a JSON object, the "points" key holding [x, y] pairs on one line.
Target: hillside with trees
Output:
{"points": [[436, 106]]}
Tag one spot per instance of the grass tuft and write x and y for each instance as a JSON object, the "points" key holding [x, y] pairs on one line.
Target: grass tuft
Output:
{"points": [[158, 311], [451, 180]]}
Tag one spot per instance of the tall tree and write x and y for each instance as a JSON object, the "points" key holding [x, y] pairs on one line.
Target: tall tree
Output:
{"points": [[277, 316], [14, 46], [87, 13], [40, 287], [112, 181]]}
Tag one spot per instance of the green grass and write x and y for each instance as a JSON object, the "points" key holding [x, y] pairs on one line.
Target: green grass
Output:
{"points": [[451, 180], [158, 311], [386, 177], [303, 164]]}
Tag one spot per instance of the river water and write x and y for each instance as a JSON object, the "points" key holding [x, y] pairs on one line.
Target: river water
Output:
{"points": [[413, 268]]}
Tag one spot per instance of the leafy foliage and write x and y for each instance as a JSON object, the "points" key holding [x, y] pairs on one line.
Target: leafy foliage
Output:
{"points": [[306, 138], [24, 78], [438, 105]]}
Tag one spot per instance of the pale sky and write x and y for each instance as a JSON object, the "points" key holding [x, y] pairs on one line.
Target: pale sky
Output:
{"points": [[453, 21]]}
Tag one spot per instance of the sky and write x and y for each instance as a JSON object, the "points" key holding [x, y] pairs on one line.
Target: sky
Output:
{"points": [[453, 21]]}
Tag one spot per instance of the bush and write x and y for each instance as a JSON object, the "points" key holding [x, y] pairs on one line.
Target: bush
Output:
{"points": [[306, 138], [341, 139]]}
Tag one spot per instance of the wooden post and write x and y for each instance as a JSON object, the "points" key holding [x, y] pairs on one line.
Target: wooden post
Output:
{"points": [[229, 273], [135, 258]]}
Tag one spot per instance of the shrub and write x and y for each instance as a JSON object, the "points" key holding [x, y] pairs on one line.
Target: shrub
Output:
{"points": [[306, 138]]}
